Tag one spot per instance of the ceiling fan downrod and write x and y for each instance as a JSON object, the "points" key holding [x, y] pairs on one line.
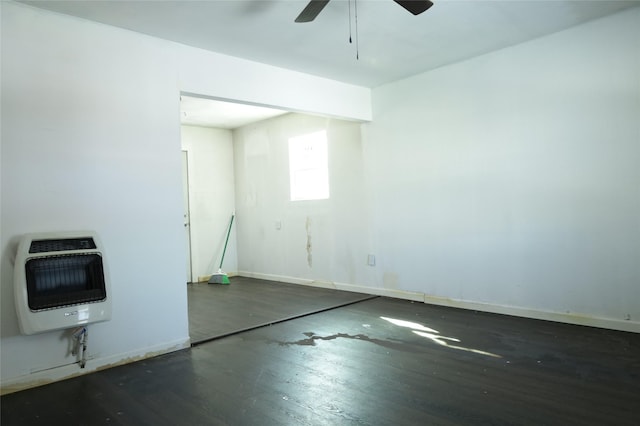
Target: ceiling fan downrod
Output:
{"points": [[355, 6]]}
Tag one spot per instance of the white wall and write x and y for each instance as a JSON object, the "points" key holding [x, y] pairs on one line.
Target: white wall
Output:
{"points": [[512, 179], [211, 199], [336, 229], [91, 140], [507, 183]]}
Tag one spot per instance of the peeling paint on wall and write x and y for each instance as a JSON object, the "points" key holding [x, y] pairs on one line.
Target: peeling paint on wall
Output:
{"points": [[309, 246]]}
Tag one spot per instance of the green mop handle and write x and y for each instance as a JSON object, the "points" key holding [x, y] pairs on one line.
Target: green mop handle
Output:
{"points": [[226, 241]]}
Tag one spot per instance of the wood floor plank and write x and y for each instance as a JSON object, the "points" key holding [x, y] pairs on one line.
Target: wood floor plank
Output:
{"points": [[217, 310], [350, 366]]}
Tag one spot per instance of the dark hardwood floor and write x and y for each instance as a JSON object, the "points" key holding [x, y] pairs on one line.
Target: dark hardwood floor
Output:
{"points": [[217, 310], [377, 362]]}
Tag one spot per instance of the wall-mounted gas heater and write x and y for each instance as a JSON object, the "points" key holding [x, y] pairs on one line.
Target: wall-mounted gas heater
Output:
{"points": [[60, 281]]}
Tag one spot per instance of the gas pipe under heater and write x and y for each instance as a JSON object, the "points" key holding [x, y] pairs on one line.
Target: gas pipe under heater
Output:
{"points": [[61, 282]]}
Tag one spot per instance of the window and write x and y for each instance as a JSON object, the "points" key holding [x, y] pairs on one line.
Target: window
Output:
{"points": [[309, 167]]}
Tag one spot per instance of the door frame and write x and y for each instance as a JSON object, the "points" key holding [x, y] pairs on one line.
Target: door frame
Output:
{"points": [[187, 213]]}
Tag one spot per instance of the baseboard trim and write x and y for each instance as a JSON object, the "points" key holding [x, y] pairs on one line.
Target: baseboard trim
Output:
{"points": [[398, 294], [69, 371], [274, 277], [568, 318], [386, 292]]}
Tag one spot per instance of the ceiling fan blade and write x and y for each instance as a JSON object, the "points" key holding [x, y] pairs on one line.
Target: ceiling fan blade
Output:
{"points": [[415, 6], [312, 10]]}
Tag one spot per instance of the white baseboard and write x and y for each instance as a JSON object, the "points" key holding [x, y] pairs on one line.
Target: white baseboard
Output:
{"points": [[386, 292], [273, 277], [568, 318], [575, 318], [398, 294], [68, 371]]}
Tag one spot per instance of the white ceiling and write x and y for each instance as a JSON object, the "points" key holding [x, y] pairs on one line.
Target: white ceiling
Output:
{"points": [[392, 44]]}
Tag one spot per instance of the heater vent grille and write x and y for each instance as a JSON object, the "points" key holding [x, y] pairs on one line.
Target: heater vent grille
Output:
{"points": [[45, 246], [64, 280]]}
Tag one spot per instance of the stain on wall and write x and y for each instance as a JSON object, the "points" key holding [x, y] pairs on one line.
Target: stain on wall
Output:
{"points": [[309, 245], [390, 280]]}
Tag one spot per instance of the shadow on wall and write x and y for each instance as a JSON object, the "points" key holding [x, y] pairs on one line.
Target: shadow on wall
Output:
{"points": [[9, 326]]}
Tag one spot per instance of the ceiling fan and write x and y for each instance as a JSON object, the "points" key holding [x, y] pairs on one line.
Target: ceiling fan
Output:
{"points": [[314, 7]]}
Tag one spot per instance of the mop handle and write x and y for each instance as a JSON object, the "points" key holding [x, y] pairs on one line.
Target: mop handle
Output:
{"points": [[226, 241]]}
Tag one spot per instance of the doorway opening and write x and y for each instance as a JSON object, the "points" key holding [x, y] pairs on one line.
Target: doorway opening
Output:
{"points": [[207, 127]]}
